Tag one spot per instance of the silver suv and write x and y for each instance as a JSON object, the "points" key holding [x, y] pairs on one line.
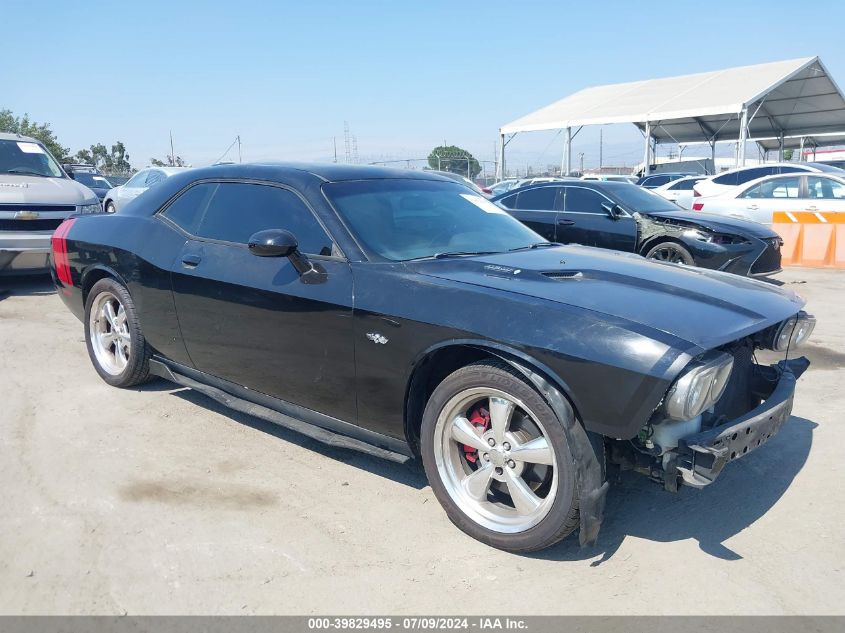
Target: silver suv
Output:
{"points": [[35, 196]]}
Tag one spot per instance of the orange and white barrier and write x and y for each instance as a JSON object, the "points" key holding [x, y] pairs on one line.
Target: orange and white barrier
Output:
{"points": [[811, 238]]}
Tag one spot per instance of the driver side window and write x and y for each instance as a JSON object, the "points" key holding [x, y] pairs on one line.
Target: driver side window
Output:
{"points": [[233, 212]]}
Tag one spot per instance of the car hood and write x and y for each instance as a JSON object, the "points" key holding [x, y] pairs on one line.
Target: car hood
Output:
{"points": [[718, 223], [702, 307], [37, 190]]}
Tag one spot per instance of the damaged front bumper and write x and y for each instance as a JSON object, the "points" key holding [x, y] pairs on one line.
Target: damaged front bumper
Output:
{"points": [[699, 458]]}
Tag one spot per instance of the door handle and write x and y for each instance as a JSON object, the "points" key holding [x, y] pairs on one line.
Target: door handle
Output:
{"points": [[565, 222], [191, 260], [751, 206], [812, 207]]}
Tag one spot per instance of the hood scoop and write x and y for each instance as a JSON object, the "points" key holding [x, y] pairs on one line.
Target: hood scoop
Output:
{"points": [[563, 275]]}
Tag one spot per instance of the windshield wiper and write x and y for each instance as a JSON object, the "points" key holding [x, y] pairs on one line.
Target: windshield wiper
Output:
{"points": [[27, 172], [535, 245], [447, 254]]}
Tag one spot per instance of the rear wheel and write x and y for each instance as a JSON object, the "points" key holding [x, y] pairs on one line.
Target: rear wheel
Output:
{"points": [[498, 461], [116, 346], [671, 252]]}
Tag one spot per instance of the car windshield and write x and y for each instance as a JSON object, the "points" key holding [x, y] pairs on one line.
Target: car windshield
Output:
{"points": [[92, 180], [638, 199], [410, 219], [25, 158]]}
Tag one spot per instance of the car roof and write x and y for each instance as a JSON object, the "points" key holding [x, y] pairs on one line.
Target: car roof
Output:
{"points": [[167, 170], [9, 136], [736, 169], [332, 172], [598, 185]]}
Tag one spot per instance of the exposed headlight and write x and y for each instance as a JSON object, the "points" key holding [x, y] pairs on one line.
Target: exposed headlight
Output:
{"points": [[793, 332], [94, 207], [700, 386], [714, 238]]}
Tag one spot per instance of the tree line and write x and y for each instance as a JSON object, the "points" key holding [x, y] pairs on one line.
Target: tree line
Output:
{"points": [[109, 160]]}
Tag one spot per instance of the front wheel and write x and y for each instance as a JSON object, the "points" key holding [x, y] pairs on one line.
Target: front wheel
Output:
{"points": [[498, 461], [671, 252], [116, 346]]}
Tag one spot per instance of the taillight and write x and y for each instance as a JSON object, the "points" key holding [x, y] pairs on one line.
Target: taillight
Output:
{"points": [[486, 190], [698, 206], [60, 259], [695, 194]]}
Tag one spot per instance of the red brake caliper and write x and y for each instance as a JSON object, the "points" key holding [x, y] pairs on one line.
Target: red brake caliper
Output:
{"points": [[480, 419]]}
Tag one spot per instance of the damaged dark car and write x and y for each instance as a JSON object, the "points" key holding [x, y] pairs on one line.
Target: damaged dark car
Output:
{"points": [[628, 218], [401, 314]]}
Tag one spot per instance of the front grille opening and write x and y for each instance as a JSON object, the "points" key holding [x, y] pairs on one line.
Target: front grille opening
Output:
{"points": [[739, 397], [30, 225], [40, 208], [769, 259]]}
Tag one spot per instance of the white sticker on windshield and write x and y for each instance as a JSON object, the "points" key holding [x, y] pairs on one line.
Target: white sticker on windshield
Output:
{"points": [[30, 148], [481, 203]]}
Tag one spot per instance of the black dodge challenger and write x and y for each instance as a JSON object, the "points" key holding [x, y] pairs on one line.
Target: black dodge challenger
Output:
{"points": [[626, 217], [401, 314]]}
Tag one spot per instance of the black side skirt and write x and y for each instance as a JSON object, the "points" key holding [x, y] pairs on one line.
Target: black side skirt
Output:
{"points": [[310, 423]]}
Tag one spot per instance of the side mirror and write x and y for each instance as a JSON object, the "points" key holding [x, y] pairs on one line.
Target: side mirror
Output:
{"points": [[612, 210], [281, 243], [273, 243]]}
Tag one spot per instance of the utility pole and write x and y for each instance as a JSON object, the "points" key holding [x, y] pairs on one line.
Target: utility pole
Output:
{"points": [[172, 153], [347, 141], [240, 158], [581, 161], [334, 142]]}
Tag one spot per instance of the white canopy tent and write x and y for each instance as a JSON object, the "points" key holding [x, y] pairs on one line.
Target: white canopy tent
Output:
{"points": [[791, 99]]}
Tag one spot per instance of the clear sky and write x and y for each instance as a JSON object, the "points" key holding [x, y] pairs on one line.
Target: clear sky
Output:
{"points": [[405, 75]]}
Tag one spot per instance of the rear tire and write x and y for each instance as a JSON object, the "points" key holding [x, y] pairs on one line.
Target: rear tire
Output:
{"points": [[518, 491], [670, 252], [116, 346]]}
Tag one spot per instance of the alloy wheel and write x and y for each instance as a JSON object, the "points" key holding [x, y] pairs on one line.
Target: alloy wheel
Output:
{"points": [[668, 253], [495, 460], [109, 332]]}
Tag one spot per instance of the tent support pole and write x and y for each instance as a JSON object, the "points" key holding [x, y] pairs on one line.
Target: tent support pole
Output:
{"points": [[647, 158], [743, 136], [501, 157], [780, 148], [801, 150], [713, 155], [566, 159]]}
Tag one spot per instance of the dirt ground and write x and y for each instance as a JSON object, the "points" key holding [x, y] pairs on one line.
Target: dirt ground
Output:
{"points": [[158, 501]]}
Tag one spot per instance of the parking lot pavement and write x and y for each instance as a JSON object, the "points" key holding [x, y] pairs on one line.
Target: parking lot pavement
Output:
{"points": [[157, 501]]}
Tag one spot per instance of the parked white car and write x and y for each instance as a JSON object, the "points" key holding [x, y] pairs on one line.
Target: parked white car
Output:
{"points": [[720, 183], [679, 191], [758, 199], [118, 197]]}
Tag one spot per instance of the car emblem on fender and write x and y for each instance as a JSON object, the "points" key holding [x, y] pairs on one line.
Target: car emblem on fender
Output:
{"points": [[27, 215], [377, 338]]}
